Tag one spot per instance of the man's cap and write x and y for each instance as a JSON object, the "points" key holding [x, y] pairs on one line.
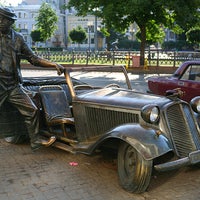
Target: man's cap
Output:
{"points": [[8, 13]]}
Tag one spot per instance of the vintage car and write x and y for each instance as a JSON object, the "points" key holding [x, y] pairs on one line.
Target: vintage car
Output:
{"points": [[92, 110], [186, 77]]}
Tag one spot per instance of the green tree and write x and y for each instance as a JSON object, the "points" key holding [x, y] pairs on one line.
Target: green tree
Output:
{"points": [[146, 13], [46, 21], [36, 36], [111, 36], [78, 35], [193, 36], [185, 13]]}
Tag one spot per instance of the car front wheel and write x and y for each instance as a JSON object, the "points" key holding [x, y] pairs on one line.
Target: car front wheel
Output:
{"points": [[133, 170]]}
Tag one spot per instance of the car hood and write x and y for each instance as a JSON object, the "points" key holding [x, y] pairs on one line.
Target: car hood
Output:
{"points": [[160, 78], [122, 98]]}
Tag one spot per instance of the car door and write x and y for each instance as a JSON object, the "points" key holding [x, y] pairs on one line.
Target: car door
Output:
{"points": [[189, 82]]}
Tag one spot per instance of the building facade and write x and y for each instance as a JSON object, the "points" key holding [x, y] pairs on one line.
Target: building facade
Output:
{"points": [[91, 25], [27, 12]]}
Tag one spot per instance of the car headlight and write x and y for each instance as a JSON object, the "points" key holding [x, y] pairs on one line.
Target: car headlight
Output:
{"points": [[150, 113], [195, 104]]}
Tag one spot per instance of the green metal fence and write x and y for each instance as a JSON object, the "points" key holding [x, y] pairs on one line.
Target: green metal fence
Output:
{"points": [[127, 58]]}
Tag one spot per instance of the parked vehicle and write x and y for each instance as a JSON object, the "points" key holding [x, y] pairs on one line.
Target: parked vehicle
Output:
{"points": [[86, 114], [186, 77]]}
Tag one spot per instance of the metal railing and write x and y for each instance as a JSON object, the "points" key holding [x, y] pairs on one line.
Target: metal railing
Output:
{"points": [[127, 58]]}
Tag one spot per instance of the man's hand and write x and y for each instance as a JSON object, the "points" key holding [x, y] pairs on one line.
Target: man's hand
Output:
{"points": [[60, 69]]}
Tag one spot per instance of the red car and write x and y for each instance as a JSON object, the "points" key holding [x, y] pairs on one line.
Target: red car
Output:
{"points": [[186, 77]]}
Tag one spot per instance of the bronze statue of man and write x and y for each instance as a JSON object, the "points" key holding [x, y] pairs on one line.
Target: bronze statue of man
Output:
{"points": [[12, 48]]}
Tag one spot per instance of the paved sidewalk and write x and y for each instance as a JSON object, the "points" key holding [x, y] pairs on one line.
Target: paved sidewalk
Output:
{"points": [[48, 174]]}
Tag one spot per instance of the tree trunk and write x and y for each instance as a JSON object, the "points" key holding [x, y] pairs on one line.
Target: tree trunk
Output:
{"points": [[143, 44]]}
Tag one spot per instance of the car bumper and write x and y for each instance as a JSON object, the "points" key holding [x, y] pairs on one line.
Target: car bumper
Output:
{"points": [[192, 159]]}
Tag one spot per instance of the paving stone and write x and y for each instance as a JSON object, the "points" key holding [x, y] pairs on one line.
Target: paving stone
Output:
{"points": [[48, 175]]}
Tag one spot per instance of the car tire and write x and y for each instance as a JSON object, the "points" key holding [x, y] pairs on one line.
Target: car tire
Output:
{"points": [[133, 170], [17, 139]]}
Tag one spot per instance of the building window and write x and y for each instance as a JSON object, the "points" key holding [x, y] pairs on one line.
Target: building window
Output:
{"points": [[171, 36], [19, 15]]}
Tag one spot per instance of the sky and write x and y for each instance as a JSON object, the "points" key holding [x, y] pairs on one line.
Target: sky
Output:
{"points": [[12, 2]]}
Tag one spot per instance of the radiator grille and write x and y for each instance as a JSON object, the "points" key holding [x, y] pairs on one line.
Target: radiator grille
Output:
{"points": [[183, 129], [101, 120]]}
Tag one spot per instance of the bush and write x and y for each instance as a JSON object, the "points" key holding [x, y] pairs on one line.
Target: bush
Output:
{"points": [[180, 45], [129, 45], [48, 49]]}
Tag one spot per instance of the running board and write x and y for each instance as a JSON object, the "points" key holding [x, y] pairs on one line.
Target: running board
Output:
{"points": [[63, 146], [65, 139]]}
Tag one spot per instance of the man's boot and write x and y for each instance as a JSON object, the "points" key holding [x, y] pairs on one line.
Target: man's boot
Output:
{"points": [[38, 143]]}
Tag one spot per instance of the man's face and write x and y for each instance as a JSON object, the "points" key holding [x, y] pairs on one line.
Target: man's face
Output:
{"points": [[5, 24]]}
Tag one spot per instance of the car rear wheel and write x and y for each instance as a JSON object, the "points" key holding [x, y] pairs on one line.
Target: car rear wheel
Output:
{"points": [[133, 170]]}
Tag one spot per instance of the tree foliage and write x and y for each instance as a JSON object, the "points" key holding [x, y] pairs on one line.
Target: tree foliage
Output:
{"points": [[36, 36], [176, 15], [78, 35], [193, 35], [46, 21], [185, 13]]}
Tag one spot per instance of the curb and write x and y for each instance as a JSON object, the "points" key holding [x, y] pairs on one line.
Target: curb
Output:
{"points": [[134, 70]]}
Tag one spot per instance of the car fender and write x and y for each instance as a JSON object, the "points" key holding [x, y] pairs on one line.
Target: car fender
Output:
{"points": [[145, 140]]}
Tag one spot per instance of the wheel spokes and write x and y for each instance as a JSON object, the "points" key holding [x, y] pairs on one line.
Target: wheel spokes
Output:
{"points": [[130, 161]]}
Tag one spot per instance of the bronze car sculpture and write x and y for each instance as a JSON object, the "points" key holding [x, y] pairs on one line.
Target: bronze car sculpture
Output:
{"points": [[147, 131]]}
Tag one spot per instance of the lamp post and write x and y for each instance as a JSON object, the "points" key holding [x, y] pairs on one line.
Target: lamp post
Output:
{"points": [[132, 32], [90, 25], [95, 12], [95, 35]]}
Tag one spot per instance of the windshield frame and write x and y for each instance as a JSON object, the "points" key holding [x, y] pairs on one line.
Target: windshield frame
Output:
{"points": [[69, 70]]}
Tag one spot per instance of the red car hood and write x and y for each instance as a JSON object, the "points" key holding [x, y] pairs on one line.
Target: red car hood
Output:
{"points": [[160, 78], [154, 84]]}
